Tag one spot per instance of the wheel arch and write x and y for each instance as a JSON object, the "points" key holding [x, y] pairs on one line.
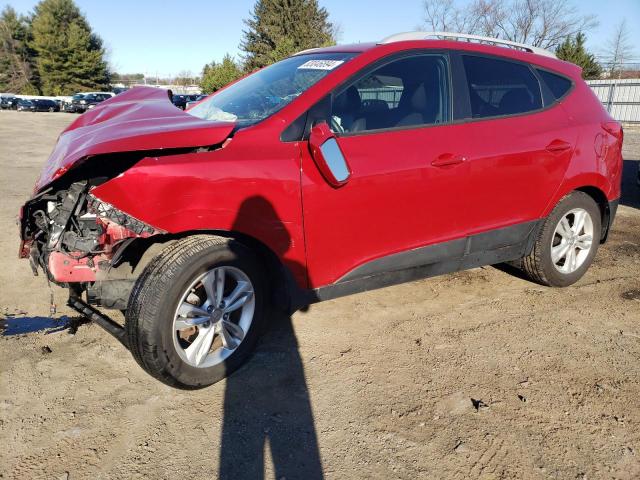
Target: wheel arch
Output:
{"points": [[598, 195], [601, 200], [284, 290], [598, 187]]}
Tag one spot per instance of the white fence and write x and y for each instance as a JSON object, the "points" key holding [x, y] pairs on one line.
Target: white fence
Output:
{"points": [[621, 98]]}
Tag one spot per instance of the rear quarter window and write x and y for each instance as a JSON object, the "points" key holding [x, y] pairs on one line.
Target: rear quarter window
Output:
{"points": [[558, 84], [500, 87]]}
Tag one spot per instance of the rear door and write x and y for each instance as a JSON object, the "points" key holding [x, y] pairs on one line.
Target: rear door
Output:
{"points": [[519, 143], [408, 179]]}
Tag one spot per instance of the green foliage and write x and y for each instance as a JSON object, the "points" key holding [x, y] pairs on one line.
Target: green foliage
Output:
{"points": [[17, 70], [217, 75], [70, 57], [278, 28], [573, 50], [285, 47], [126, 78]]}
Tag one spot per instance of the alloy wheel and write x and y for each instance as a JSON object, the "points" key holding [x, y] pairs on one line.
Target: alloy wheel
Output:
{"points": [[572, 240], [213, 316]]}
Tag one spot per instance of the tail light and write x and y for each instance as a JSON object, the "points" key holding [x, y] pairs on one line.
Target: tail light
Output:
{"points": [[613, 128]]}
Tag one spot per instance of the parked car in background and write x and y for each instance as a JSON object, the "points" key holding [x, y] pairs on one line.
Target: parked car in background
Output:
{"points": [[8, 103], [45, 105], [191, 103], [69, 106], [24, 105], [180, 100], [81, 102], [38, 105], [335, 171]]}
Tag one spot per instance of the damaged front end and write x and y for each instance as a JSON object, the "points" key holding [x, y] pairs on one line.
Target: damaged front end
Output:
{"points": [[77, 239]]}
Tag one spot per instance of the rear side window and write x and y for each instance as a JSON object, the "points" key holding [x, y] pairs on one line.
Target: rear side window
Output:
{"points": [[407, 92], [500, 87], [558, 85]]}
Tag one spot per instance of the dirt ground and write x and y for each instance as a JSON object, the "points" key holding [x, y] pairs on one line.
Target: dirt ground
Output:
{"points": [[479, 374]]}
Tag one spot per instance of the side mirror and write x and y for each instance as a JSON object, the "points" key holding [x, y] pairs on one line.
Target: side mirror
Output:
{"points": [[327, 155]]}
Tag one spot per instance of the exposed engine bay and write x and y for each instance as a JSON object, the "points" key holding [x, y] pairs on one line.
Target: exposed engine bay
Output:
{"points": [[77, 239]]}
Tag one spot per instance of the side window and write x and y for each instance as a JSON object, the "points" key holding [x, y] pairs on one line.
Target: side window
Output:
{"points": [[500, 87], [410, 91], [557, 84]]}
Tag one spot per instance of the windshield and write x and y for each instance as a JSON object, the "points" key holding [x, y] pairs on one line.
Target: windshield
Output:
{"points": [[263, 93]]}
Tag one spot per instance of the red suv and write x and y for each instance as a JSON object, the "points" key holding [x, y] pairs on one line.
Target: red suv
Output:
{"points": [[335, 171]]}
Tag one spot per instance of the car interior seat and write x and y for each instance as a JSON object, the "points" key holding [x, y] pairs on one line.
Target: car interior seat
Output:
{"points": [[346, 107], [515, 101]]}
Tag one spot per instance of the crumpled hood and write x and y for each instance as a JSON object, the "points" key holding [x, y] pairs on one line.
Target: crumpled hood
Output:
{"points": [[142, 118]]}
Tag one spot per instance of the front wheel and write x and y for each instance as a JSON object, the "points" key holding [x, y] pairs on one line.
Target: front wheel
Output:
{"points": [[196, 311], [567, 242]]}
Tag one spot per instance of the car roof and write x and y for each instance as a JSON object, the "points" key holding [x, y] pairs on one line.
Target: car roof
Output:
{"points": [[347, 48], [502, 49]]}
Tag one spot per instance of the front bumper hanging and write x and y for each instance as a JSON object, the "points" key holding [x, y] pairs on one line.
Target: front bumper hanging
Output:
{"points": [[98, 318]]}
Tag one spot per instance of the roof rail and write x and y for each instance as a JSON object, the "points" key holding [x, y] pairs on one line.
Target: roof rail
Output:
{"points": [[400, 37], [308, 50]]}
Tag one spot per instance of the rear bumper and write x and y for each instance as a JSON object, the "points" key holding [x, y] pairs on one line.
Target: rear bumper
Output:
{"points": [[613, 208], [609, 217]]}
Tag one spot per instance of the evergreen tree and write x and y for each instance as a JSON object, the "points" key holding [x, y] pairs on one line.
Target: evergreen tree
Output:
{"points": [[217, 75], [278, 28], [17, 69], [70, 57], [573, 50]]}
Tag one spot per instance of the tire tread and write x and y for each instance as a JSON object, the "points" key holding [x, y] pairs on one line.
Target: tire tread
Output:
{"points": [[146, 296], [536, 263]]}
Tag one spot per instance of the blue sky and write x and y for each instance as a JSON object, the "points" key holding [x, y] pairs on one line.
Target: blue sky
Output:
{"points": [[168, 37]]}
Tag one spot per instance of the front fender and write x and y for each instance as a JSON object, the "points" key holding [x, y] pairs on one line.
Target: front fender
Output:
{"points": [[216, 191]]}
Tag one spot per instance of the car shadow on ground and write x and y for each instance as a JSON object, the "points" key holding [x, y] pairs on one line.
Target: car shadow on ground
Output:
{"points": [[630, 188], [266, 403], [18, 325]]}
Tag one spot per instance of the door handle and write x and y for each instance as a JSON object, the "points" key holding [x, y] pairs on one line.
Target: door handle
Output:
{"points": [[558, 146], [447, 159]]}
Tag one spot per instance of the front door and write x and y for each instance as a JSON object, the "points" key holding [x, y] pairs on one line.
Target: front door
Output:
{"points": [[407, 184]]}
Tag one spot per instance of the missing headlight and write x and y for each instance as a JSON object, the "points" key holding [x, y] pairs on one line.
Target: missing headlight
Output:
{"points": [[106, 211]]}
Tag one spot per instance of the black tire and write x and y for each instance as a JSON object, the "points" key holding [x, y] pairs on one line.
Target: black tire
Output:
{"points": [[538, 265], [153, 301]]}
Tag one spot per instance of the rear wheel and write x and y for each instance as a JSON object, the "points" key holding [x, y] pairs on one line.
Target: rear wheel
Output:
{"points": [[567, 242], [196, 311]]}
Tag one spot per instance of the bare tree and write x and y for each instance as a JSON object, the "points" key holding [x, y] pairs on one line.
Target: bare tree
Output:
{"points": [[337, 31], [445, 16], [619, 49], [184, 78], [541, 23]]}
